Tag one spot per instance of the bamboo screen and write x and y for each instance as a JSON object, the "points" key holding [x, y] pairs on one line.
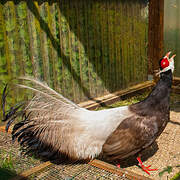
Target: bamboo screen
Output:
{"points": [[172, 30], [81, 48]]}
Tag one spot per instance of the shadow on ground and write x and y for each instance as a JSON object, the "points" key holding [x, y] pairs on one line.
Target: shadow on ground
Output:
{"points": [[6, 174], [131, 161]]}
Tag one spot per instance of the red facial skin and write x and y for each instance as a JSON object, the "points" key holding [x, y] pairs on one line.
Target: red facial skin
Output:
{"points": [[164, 63]]}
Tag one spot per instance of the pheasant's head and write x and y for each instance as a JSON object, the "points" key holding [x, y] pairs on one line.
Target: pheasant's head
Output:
{"points": [[166, 63]]}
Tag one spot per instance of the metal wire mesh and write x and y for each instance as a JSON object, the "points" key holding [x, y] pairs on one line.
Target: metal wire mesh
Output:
{"points": [[12, 152], [75, 172]]}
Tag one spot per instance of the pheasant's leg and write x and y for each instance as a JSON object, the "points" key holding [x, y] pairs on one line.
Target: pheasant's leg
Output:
{"points": [[144, 168], [116, 162]]}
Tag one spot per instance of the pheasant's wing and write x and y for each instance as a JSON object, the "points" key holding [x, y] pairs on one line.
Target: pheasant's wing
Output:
{"points": [[131, 136]]}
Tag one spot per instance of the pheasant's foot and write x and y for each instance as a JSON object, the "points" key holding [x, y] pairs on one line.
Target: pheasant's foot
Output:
{"points": [[145, 168]]}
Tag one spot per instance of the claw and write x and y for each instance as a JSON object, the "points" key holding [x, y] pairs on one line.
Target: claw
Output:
{"points": [[144, 168]]}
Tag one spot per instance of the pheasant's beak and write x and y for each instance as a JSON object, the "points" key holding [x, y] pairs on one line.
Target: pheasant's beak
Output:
{"points": [[172, 58], [167, 55]]}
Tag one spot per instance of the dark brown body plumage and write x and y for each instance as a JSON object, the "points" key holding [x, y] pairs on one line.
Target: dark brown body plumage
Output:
{"points": [[141, 130]]}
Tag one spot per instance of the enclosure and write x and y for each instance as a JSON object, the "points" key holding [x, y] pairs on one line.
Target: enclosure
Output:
{"points": [[83, 49], [91, 51]]}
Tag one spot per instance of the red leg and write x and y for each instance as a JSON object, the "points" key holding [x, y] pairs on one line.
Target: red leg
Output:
{"points": [[144, 168], [117, 164]]}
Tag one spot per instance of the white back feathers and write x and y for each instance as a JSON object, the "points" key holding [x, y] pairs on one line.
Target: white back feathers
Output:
{"points": [[54, 124]]}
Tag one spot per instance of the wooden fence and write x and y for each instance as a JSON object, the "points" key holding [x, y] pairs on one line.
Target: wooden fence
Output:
{"points": [[83, 49]]}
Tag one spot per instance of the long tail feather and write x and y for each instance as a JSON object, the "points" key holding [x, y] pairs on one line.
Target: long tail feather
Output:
{"points": [[4, 100], [49, 90], [50, 124]]}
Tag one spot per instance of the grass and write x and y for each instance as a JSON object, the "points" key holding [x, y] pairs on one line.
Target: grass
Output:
{"points": [[176, 177], [127, 101], [169, 170], [175, 99]]}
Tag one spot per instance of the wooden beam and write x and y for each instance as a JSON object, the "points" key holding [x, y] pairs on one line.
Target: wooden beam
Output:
{"points": [[25, 174], [176, 89], [155, 34], [116, 96], [115, 170], [176, 81]]}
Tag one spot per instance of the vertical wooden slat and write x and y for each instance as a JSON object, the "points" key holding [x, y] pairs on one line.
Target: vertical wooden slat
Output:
{"points": [[91, 54], [43, 40], [53, 54], [113, 8], [65, 51], [95, 10], [126, 45], [120, 46], [69, 71], [99, 47], [77, 24], [11, 35], [86, 7], [116, 44], [64, 39], [123, 46], [22, 12], [52, 71], [5, 42], [17, 45], [109, 45], [33, 30], [70, 48], [72, 42], [61, 65], [10, 40], [155, 35], [4, 55]]}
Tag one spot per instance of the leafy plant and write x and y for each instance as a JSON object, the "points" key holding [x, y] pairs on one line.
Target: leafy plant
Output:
{"points": [[169, 169], [6, 161], [176, 177], [7, 169]]}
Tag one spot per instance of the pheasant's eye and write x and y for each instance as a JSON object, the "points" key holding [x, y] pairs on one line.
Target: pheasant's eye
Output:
{"points": [[164, 63]]}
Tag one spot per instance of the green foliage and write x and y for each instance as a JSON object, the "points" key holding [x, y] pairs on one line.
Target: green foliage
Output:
{"points": [[7, 169], [176, 177], [7, 162], [169, 169], [127, 101]]}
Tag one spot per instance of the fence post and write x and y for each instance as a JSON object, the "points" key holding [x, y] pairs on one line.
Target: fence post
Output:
{"points": [[155, 34]]}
